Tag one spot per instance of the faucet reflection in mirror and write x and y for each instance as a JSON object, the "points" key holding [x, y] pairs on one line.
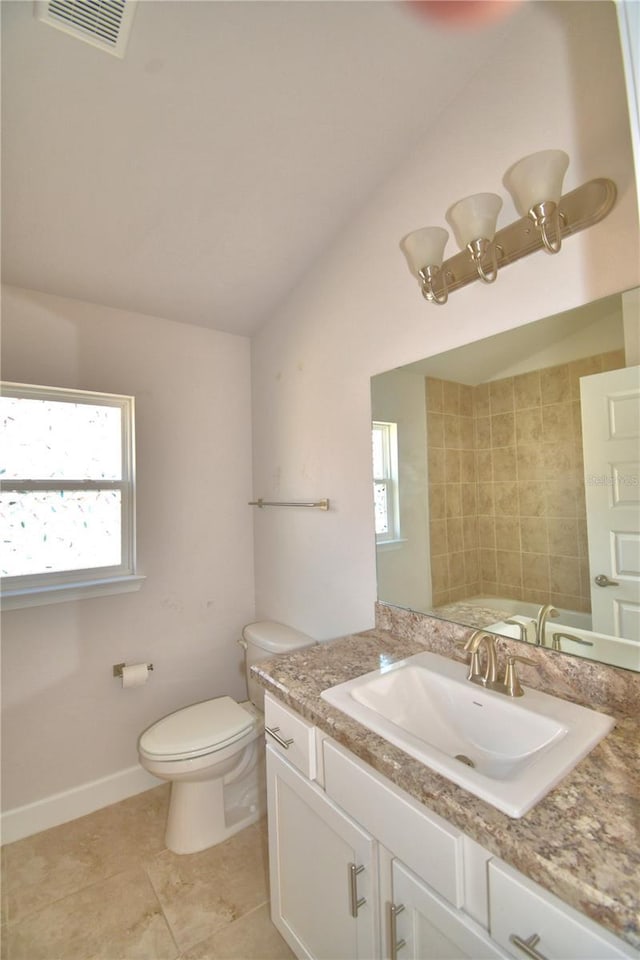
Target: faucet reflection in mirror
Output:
{"points": [[535, 183]]}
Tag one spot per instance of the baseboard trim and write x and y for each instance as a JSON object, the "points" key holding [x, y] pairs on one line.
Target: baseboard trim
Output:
{"points": [[61, 807]]}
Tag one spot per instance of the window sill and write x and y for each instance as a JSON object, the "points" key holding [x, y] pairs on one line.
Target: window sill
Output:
{"points": [[391, 544], [61, 593]]}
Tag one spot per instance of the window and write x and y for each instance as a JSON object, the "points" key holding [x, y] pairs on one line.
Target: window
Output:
{"points": [[385, 481], [67, 496]]}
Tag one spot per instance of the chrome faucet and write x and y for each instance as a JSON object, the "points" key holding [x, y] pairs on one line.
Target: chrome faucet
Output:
{"points": [[546, 611]]}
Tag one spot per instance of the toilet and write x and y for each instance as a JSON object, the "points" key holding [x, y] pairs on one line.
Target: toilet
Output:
{"points": [[213, 752]]}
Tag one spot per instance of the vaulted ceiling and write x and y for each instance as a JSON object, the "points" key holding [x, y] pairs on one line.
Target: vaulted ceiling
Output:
{"points": [[200, 177]]}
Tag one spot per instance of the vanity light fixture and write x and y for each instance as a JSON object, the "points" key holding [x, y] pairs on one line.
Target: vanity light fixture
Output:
{"points": [[546, 218], [535, 183], [424, 250], [474, 224]]}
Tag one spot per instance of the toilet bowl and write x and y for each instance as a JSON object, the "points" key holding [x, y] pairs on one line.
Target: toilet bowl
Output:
{"points": [[212, 753]]}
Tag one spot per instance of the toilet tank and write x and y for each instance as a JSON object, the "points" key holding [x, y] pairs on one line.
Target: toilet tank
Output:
{"points": [[265, 639]]}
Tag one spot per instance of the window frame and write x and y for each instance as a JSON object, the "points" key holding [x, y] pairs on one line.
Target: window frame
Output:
{"points": [[50, 587], [390, 479]]}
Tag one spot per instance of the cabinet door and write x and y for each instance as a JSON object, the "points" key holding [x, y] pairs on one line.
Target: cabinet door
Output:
{"points": [[422, 926], [322, 869]]}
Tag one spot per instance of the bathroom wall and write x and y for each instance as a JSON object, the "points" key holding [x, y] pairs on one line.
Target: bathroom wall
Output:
{"points": [[557, 82], [65, 720]]}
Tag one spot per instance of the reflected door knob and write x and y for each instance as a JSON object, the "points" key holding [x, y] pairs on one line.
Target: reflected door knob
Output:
{"points": [[603, 581]]}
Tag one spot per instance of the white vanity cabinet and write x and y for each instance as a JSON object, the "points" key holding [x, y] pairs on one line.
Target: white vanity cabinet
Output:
{"points": [[322, 870], [359, 869]]}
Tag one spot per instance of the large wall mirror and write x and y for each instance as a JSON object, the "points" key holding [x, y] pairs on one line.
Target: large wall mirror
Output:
{"points": [[506, 478]]}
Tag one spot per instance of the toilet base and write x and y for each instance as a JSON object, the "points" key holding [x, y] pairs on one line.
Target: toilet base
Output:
{"points": [[204, 813]]}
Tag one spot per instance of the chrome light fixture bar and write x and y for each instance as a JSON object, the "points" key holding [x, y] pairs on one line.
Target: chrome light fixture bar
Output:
{"points": [[547, 220]]}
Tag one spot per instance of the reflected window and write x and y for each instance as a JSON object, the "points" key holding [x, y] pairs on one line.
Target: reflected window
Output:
{"points": [[385, 481]]}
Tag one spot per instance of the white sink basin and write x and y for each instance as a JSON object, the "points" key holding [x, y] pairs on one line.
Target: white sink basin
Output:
{"points": [[509, 752]]}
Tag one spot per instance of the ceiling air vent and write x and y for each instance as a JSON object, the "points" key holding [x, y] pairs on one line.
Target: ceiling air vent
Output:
{"points": [[102, 23]]}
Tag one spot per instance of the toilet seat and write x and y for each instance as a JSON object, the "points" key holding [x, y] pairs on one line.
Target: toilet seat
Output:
{"points": [[196, 730]]}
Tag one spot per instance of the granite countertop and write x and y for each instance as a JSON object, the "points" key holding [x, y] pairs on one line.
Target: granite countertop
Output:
{"points": [[581, 842]]}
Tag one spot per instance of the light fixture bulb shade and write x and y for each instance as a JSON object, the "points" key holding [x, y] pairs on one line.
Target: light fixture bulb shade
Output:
{"points": [[475, 217], [537, 179], [424, 248]]}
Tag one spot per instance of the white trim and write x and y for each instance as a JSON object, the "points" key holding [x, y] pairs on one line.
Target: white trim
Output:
{"points": [[77, 802], [40, 596]]}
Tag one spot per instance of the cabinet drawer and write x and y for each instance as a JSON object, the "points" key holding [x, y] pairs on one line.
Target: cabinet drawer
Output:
{"points": [[518, 906], [290, 735], [424, 841]]}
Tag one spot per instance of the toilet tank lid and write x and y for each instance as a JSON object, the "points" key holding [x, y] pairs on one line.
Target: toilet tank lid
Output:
{"points": [[275, 637]]}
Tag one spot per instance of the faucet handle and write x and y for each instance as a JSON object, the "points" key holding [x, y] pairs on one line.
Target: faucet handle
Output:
{"points": [[474, 656], [511, 678]]}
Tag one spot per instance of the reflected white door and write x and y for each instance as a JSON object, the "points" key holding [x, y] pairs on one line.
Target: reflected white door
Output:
{"points": [[611, 440]]}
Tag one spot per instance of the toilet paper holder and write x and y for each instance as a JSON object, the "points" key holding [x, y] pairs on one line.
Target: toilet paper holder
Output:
{"points": [[119, 667]]}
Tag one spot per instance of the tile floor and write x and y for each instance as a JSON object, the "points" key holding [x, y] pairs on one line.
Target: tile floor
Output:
{"points": [[105, 886]]}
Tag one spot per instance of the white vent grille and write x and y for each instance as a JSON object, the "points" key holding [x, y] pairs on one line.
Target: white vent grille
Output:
{"points": [[102, 23]]}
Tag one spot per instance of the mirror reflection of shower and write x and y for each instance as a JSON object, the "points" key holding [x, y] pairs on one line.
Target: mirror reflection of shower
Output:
{"points": [[491, 482]]}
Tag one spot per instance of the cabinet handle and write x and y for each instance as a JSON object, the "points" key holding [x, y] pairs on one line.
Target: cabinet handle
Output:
{"points": [[395, 944], [354, 902], [273, 732], [527, 946]]}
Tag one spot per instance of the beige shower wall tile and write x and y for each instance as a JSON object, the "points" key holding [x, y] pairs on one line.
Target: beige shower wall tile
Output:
{"points": [[535, 572], [487, 532], [195, 907], [503, 430], [508, 533], [116, 918], [451, 397], [614, 360], [451, 427], [555, 384], [563, 536], [436, 464], [435, 429], [529, 425], [509, 567], [252, 936], [533, 535], [455, 541], [501, 396], [505, 499], [468, 470], [481, 406], [557, 422], [564, 575], [504, 463], [452, 466], [437, 501], [530, 461], [585, 367], [434, 395], [484, 463], [470, 533], [483, 433], [526, 390], [438, 537], [469, 499], [466, 400], [467, 433], [453, 500]]}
